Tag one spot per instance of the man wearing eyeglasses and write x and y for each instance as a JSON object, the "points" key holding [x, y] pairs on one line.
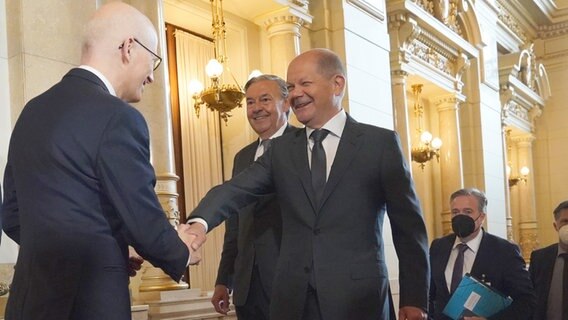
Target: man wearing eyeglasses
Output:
{"points": [[79, 186]]}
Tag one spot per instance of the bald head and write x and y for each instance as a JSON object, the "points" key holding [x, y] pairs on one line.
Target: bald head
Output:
{"points": [[111, 24], [328, 62], [121, 43]]}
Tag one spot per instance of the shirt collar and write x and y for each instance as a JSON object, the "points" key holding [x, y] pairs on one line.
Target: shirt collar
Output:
{"points": [[473, 244], [276, 134], [100, 76], [561, 250], [335, 125]]}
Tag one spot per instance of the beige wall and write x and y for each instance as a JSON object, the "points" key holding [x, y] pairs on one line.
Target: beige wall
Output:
{"points": [[550, 148]]}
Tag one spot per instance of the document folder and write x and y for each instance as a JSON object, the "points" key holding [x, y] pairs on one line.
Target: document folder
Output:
{"points": [[475, 298]]}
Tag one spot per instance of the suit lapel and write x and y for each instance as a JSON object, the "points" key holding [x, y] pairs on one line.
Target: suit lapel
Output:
{"points": [[349, 144], [447, 247], [299, 155]]}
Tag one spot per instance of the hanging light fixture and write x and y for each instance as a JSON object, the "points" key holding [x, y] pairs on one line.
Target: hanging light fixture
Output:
{"points": [[221, 97], [429, 146]]}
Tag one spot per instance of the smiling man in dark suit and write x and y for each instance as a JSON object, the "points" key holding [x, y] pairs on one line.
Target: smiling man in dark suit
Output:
{"points": [[334, 187], [549, 270], [486, 257], [79, 186], [252, 239]]}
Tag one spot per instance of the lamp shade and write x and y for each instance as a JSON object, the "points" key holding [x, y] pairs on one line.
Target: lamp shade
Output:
{"points": [[195, 87], [214, 68]]}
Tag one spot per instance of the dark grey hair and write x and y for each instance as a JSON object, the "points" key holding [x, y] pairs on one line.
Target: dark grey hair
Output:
{"points": [[480, 196], [270, 77]]}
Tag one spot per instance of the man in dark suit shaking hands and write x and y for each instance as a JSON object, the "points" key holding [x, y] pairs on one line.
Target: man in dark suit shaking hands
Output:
{"points": [[549, 272], [334, 181], [252, 238], [79, 186], [486, 257]]}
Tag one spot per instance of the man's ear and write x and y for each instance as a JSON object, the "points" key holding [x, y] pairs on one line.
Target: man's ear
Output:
{"points": [[339, 82], [125, 50]]}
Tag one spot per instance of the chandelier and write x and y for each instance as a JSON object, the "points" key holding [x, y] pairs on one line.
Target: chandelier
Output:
{"points": [[219, 96], [428, 146]]}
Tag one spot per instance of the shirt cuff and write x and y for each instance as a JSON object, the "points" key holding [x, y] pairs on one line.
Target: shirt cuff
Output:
{"points": [[199, 220]]}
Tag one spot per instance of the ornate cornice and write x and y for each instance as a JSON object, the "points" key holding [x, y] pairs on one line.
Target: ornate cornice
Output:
{"points": [[552, 30], [510, 21]]}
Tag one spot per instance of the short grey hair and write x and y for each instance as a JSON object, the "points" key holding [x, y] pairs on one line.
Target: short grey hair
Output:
{"points": [[270, 77], [479, 195]]}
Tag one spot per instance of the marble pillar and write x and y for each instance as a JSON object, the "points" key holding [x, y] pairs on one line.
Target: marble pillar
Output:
{"points": [[527, 208], [156, 107], [451, 167], [400, 107]]}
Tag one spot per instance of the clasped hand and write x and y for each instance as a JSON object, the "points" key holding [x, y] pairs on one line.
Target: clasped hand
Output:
{"points": [[193, 236]]}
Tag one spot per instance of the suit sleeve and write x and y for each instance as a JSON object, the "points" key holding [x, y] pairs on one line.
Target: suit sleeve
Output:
{"points": [[230, 245], [9, 217], [408, 228], [245, 188], [127, 179], [432, 294], [518, 284]]}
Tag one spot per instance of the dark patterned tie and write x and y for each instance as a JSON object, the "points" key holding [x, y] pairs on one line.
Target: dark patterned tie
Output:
{"points": [[565, 287], [266, 144], [319, 168], [457, 273]]}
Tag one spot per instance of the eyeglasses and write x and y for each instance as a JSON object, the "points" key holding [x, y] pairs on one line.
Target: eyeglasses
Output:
{"points": [[157, 60]]}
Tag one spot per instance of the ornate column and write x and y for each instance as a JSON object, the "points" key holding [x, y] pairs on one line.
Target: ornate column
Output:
{"points": [[451, 168], [400, 106], [156, 107], [505, 131], [283, 28], [527, 208]]}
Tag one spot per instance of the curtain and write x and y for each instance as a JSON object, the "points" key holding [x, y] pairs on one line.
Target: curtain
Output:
{"points": [[201, 147]]}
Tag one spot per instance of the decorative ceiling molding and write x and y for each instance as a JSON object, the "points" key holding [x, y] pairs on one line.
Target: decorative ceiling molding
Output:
{"points": [[370, 8]]}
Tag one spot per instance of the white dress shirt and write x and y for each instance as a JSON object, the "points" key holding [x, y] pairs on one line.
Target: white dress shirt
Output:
{"points": [[100, 76], [468, 256], [260, 148], [335, 127]]}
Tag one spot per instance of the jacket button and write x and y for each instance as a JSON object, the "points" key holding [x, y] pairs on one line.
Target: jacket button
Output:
{"points": [[317, 231], [307, 269]]}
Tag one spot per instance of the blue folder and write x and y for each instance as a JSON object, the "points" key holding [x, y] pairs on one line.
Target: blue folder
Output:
{"points": [[474, 298]]}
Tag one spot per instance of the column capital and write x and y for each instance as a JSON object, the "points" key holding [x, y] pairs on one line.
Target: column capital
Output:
{"points": [[399, 76], [523, 140], [285, 20], [447, 102]]}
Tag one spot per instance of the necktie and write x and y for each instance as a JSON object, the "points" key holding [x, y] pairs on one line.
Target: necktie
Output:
{"points": [[319, 168], [565, 287], [457, 273], [266, 144]]}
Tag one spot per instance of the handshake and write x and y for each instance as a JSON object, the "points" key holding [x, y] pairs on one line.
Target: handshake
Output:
{"points": [[193, 235]]}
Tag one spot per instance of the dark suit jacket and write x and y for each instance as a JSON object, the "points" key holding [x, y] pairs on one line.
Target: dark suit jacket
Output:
{"points": [[540, 269], [79, 190], [498, 261], [252, 237], [342, 239]]}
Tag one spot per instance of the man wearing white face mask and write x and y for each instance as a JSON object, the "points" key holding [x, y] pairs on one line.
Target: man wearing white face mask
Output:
{"points": [[470, 249], [549, 272]]}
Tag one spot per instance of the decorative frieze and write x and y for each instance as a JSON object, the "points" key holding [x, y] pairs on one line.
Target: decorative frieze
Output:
{"points": [[446, 11], [510, 21], [553, 30], [430, 56]]}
